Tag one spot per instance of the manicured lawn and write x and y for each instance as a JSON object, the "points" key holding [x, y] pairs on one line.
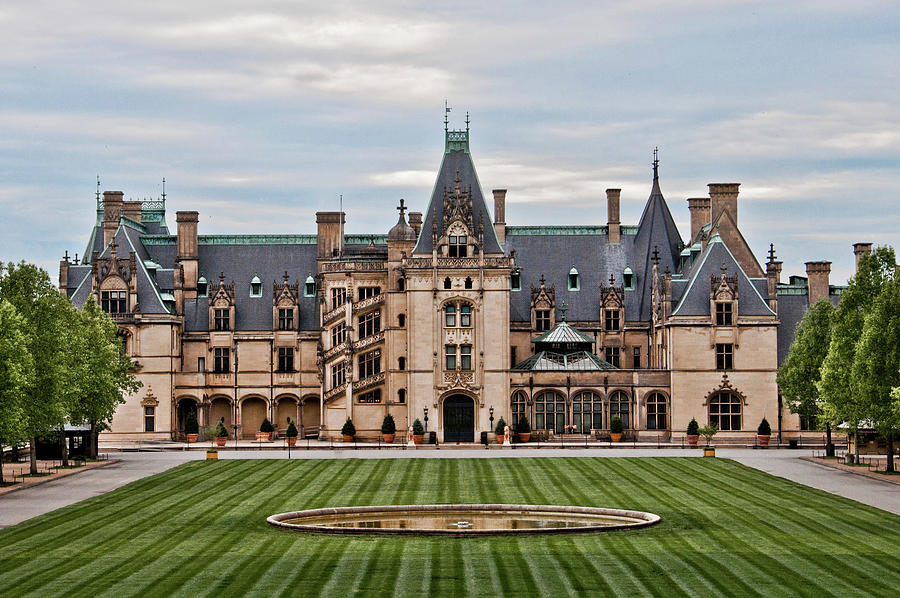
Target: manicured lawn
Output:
{"points": [[200, 530]]}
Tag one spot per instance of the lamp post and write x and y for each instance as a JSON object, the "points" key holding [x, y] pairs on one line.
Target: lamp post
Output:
{"points": [[492, 418], [426, 420]]}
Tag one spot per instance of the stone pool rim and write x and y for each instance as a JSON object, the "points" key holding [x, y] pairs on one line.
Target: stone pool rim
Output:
{"points": [[643, 520]]}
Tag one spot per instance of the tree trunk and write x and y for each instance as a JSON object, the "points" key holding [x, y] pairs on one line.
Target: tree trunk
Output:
{"points": [[1, 462], [829, 446], [889, 468], [32, 455], [64, 448], [92, 445], [856, 445]]}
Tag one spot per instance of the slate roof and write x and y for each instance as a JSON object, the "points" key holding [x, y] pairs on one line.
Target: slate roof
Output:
{"points": [[457, 160], [578, 361]]}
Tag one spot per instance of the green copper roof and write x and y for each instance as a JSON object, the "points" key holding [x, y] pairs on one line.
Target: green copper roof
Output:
{"points": [[564, 230], [456, 141], [579, 361]]}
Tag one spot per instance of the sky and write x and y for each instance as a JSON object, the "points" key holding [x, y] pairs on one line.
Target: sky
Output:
{"points": [[260, 114]]}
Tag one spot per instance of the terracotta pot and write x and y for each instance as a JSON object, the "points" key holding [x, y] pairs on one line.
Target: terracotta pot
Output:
{"points": [[388, 438], [291, 440], [418, 438], [212, 455], [615, 436], [524, 436], [500, 438], [692, 439], [347, 438], [263, 436], [192, 437], [221, 440], [709, 451], [763, 440]]}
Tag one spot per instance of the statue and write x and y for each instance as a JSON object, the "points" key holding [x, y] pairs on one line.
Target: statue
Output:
{"points": [[506, 435], [409, 435]]}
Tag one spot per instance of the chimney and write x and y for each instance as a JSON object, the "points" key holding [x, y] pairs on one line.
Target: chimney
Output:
{"points": [[613, 227], [112, 211], [64, 274], [859, 250], [415, 221], [817, 275], [132, 209], [773, 278], [330, 231], [187, 251], [723, 197], [699, 208], [500, 214]]}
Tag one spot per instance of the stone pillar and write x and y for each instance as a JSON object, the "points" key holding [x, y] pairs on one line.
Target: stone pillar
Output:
{"points": [[187, 253], [817, 280], [614, 228], [330, 229], [112, 211]]}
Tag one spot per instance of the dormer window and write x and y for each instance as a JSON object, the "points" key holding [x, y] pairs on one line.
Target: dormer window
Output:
{"points": [[628, 279], [612, 320], [458, 246], [202, 287], [574, 280], [542, 320], [114, 302], [309, 287], [256, 287], [724, 314], [515, 281], [222, 319]]}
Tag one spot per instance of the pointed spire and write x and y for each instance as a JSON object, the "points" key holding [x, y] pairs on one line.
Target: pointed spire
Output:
{"points": [[655, 163], [772, 255]]}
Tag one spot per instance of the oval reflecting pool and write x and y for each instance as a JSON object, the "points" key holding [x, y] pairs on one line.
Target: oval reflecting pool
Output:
{"points": [[461, 520]]}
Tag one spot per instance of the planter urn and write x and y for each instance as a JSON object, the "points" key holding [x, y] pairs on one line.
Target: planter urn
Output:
{"points": [[615, 436], [291, 440], [347, 437], [388, 438], [692, 439], [763, 439], [524, 436], [418, 438], [221, 440], [263, 436], [192, 437], [500, 438]]}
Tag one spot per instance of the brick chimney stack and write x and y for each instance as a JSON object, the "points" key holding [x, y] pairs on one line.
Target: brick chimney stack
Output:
{"points": [[188, 251], [817, 280], [613, 226], [112, 212], [500, 214], [861, 249], [723, 197], [699, 208], [330, 229]]}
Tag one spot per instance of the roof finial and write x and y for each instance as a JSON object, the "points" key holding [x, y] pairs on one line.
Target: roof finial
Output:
{"points": [[467, 121], [656, 163], [446, 115], [612, 281], [543, 280], [563, 308], [66, 256], [285, 277], [164, 189], [724, 269], [98, 190], [402, 208], [772, 255]]}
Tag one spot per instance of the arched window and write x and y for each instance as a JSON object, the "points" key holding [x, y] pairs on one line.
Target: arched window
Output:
{"points": [[450, 316], [401, 395], [587, 412], [401, 320], [468, 283], [401, 363], [447, 283], [550, 411], [725, 410], [620, 405], [517, 408], [574, 280], [657, 412], [256, 287]]}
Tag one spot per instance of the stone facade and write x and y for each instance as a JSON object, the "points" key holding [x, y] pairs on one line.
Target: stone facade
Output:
{"points": [[453, 315]]}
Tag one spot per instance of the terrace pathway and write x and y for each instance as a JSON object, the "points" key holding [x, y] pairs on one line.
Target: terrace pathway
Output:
{"points": [[31, 502]]}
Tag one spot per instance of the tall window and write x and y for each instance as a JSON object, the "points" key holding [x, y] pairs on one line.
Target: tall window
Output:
{"points": [[550, 412], [449, 357], [373, 396], [725, 411], [612, 355], [114, 302], [657, 412], [401, 395], [201, 364], [518, 407], [450, 316], [286, 319], [724, 314], [515, 281], [637, 358], [465, 357], [338, 334], [542, 320], [612, 319], [587, 412], [620, 405], [338, 297], [401, 363], [370, 324], [367, 292], [338, 374], [401, 320], [285, 359], [222, 319], [465, 316], [222, 362], [370, 363], [458, 246], [447, 283], [149, 418], [724, 356]]}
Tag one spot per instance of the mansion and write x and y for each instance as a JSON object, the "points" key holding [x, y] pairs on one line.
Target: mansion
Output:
{"points": [[453, 315]]}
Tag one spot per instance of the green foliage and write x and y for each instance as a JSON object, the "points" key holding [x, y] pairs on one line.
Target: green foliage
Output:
{"points": [[693, 427], [523, 427], [388, 426], [291, 431], [800, 373], [764, 428], [190, 424], [500, 428], [418, 429], [266, 426], [348, 429], [708, 432], [221, 431], [16, 375], [616, 426]]}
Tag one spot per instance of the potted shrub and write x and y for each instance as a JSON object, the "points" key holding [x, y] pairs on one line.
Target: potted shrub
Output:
{"points": [[221, 433], [708, 432], [500, 431], [348, 431], [764, 432], [191, 427], [291, 433], [693, 432], [616, 428], [418, 432], [388, 429], [265, 431], [524, 429]]}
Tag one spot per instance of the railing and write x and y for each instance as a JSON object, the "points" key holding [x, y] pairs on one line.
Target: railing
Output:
{"points": [[369, 302], [219, 378], [369, 340], [458, 262], [369, 382], [334, 392], [353, 266], [335, 350], [334, 314], [121, 318]]}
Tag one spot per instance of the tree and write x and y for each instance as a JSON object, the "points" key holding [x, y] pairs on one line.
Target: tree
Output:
{"points": [[47, 316], [801, 371], [101, 372], [16, 373], [876, 364], [836, 385]]}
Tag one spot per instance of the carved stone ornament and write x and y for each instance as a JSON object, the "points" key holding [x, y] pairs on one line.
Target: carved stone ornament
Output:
{"points": [[725, 385]]}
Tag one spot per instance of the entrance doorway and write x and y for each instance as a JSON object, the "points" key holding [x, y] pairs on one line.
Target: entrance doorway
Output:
{"points": [[459, 419]]}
